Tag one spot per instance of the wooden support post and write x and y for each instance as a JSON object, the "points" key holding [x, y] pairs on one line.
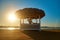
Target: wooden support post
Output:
{"points": [[23, 21], [20, 22], [36, 21], [39, 22]]}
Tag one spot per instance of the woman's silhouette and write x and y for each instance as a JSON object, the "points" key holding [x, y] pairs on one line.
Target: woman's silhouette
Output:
{"points": [[29, 20]]}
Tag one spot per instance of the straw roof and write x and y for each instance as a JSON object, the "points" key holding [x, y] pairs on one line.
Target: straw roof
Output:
{"points": [[30, 13]]}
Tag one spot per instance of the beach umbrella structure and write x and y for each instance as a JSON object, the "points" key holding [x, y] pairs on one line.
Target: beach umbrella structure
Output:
{"points": [[30, 18]]}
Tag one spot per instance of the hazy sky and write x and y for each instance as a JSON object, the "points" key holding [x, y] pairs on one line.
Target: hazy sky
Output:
{"points": [[51, 8]]}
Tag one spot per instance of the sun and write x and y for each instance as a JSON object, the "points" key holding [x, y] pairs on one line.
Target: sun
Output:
{"points": [[12, 16]]}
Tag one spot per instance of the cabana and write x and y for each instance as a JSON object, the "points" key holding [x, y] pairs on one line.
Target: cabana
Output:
{"points": [[30, 18]]}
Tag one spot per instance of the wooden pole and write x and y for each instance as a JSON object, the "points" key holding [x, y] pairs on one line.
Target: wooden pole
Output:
{"points": [[39, 22], [36, 21], [23, 21], [20, 22]]}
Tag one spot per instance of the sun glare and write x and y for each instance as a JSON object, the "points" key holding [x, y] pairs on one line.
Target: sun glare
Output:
{"points": [[11, 28], [12, 17]]}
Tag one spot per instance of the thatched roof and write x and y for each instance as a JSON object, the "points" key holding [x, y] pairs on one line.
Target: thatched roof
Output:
{"points": [[30, 13]]}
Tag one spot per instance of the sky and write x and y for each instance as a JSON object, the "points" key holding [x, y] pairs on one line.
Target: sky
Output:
{"points": [[51, 8]]}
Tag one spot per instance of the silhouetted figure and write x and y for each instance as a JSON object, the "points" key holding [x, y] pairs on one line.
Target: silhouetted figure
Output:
{"points": [[29, 20]]}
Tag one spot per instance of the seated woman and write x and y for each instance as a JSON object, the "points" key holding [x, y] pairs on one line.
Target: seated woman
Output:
{"points": [[30, 20]]}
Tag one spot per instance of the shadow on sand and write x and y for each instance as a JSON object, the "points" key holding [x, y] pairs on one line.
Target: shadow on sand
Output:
{"points": [[42, 35]]}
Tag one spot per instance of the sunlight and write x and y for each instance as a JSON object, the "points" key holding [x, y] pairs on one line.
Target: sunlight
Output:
{"points": [[12, 17], [11, 28]]}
